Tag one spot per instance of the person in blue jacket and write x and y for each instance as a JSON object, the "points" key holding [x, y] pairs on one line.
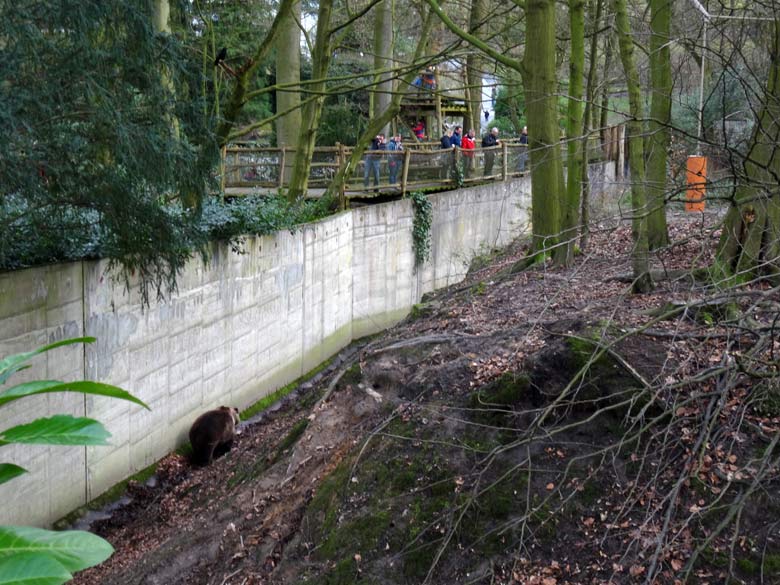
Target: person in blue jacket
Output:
{"points": [[457, 136], [373, 159], [395, 161]]}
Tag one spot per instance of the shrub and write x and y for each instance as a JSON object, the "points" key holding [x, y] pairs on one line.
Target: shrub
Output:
{"points": [[35, 555]]}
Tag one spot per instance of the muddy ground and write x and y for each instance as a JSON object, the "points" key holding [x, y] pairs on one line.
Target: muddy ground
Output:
{"points": [[543, 428]]}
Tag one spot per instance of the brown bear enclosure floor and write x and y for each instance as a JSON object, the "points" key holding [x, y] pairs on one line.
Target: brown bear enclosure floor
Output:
{"points": [[544, 428]]}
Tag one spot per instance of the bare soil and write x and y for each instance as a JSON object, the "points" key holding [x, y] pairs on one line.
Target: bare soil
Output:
{"points": [[543, 428]]}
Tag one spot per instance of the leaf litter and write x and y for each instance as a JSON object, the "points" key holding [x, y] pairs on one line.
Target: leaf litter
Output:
{"points": [[542, 428]]}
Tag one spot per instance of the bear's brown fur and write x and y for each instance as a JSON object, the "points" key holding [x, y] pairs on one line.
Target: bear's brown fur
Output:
{"points": [[212, 434]]}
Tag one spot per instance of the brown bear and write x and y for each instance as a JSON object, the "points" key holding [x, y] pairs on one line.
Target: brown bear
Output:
{"points": [[212, 434]]}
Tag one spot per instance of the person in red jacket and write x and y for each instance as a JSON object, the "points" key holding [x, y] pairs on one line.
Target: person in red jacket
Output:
{"points": [[468, 146], [419, 130]]}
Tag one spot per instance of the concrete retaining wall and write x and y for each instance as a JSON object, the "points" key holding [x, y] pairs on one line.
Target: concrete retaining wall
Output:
{"points": [[237, 329]]}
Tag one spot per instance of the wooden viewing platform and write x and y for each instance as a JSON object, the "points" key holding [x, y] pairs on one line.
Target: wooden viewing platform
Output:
{"points": [[424, 166]]}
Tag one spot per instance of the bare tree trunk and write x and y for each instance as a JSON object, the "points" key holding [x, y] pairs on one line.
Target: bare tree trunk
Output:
{"points": [[288, 71], [571, 206], [604, 112], [474, 67], [640, 255], [383, 59], [597, 7], [514, 88], [245, 74], [750, 242], [543, 140], [312, 111], [161, 16], [660, 117]]}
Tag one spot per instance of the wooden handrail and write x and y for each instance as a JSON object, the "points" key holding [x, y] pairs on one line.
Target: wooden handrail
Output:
{"points": [[425, 165]]}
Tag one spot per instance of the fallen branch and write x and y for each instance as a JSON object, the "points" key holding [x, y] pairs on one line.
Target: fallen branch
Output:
{"points": [[656, 275], [423, 340]]}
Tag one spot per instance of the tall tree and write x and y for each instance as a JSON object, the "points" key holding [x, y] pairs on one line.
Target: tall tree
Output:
{"points": [[606, 87], [571, 207], [161, 16], [660, 118], [539, 75], [312, 110], [475, 66], [541, 84], [288, 74], [383, 59], [247, 72], [750, 241], [640, 255], [596, 9]]}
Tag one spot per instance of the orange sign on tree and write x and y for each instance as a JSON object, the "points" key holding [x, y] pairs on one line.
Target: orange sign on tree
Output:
{"points": [[697, 181]]}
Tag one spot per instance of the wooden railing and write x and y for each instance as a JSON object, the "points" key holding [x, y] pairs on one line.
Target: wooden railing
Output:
{"points": [[419, 166]]}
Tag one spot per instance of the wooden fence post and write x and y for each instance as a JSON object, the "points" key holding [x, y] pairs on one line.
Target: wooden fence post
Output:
{"points": [[341, 157], [223, 156], [282, 164], [504, 160], [405, 172]]}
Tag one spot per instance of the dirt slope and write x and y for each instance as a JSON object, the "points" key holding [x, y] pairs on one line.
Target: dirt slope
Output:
{"points": [[513, 430]]}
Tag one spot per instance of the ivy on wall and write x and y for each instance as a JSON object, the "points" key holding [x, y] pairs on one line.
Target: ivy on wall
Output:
{"points": [[421, 227]]}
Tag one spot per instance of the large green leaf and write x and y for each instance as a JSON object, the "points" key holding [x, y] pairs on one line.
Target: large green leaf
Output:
{"points": [[83, 386], [32, 569], [60, 429], [8, 471], [14, 363], [74, 549]]}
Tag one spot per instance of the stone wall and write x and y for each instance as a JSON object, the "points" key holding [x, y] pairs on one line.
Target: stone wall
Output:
{"points": [[237, 329]]}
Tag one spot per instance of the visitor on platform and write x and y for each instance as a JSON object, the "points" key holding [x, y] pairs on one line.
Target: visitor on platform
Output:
{"points": [[373, 159], [447, 158], [490, 140], [524, 150], [429, 79], [457, 135], [419, 129], [395, 161], [446, 139], [468, 152]]}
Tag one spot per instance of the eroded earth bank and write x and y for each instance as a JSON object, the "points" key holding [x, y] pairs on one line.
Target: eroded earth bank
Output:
{"points": [[543, 427]]}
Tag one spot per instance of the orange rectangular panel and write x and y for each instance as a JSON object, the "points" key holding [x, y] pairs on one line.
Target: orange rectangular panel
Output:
{"points": [[697, 181]]}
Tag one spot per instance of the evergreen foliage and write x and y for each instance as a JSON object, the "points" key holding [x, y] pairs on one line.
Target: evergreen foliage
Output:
{"points": [[74, 234], [104, 124]]}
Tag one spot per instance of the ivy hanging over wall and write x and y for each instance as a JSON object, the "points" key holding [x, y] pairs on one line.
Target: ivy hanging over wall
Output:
{"points": [[421, 227]]}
